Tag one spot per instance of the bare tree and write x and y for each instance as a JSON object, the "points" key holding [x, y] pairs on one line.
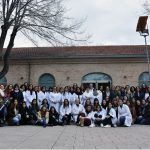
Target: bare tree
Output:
{"points": [[44, 18], [146, 6]]}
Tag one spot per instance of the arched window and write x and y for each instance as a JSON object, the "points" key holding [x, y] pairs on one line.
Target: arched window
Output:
{"points": [[3, 81], [144, 79], [47, 80], [98, 79]]}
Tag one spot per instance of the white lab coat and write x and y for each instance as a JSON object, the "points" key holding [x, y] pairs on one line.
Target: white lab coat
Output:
{"points": [[76, 110], [65, 95], [40, 97], [64, 110], [28, 98], [125, 111], [87, 95], [102, 113], [55, 99], [73, 97], [2, 94], [99, 97], [90, 116], [112, 113]]}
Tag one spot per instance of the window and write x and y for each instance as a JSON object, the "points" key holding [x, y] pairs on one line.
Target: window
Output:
{"points": [[98, 79], [144, 79], [47, 80], [3, 81]]}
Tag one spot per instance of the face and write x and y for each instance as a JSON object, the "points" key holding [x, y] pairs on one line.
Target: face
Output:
{"points": [[61, 89], [143, 102], [110, 105], [16, 88], [52, 109], [44, 108], [15, 102], [98, 108], [88, 101], [107, 98], [23, 88], [10, 87], [45, 101], [34, 102], [30, 87], [54, 89], [2, 86], [128, 103], [66, 102], [114, 101], [120, 102], [104, 102], [78, 89], [77, 101], [87, 89], [107, 88], [24, 105], [89, 108], [138, 102]]}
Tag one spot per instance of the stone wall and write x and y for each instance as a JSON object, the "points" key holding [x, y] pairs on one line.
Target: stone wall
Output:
{"points": [[66, 74]]}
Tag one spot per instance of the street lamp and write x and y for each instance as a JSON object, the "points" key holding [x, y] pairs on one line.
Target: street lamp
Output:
{"points": [[142, 28]]}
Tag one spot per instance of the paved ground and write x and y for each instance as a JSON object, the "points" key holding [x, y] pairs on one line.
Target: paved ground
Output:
{"points": [[73, 137]]}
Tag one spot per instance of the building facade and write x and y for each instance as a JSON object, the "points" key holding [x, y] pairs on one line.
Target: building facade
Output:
{"points": [[61, 66]]}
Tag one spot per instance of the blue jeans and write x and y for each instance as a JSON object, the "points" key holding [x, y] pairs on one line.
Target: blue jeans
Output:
{"points": [[122, 120], [16, 119]]}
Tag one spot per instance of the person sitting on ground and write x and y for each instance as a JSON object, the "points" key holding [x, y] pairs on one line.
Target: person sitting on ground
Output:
{"points": [[110, 118], [13, 116], [146, 117], [99, 116], [53, 116], [25, 115], [43, 117], [77, 109], [33, 110], [124, 114], [87, 119], [65, 112]]}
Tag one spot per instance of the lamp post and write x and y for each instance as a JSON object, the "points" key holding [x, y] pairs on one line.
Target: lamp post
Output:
{"points": [[143, 30]]}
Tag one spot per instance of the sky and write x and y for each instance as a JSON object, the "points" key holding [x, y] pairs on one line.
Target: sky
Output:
{"points": [[109, 22]]}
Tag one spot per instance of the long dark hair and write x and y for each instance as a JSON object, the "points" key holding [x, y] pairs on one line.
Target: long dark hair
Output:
{"points": [[65, 100]]}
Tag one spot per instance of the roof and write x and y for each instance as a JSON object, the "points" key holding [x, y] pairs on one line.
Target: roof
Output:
{"points": [[78, 52]]}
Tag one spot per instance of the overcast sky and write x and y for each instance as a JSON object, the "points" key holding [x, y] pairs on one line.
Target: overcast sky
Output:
{"points": [[110, 22]]}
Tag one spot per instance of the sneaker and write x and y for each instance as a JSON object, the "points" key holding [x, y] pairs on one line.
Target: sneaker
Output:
{"points": [[101, 125], [92, 125], [107, 126], [114, 126]]}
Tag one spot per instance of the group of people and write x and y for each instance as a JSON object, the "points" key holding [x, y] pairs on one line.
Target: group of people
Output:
{"points": [[110, 107]]}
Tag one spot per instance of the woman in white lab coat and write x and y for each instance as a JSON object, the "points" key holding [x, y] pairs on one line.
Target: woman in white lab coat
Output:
{"points": [[97, 94], [29, 95], [79, 93], [65, 112], [99, 116], [110, 118], [73, 96], [87, 95], [55, 98], [41, 95], [124, 114], [66, 94], [77, 109], [87, 119]]}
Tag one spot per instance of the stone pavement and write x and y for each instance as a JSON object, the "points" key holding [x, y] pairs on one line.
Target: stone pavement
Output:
{"points": [[74, 137]]}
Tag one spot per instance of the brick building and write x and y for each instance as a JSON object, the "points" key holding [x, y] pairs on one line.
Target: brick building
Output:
{"points": [[101, 65]]}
